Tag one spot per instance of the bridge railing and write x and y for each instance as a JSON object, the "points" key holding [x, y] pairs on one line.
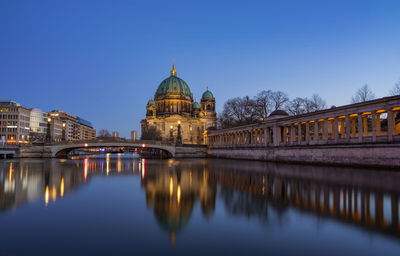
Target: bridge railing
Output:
{"points": [[376, 121], [105, 141]]}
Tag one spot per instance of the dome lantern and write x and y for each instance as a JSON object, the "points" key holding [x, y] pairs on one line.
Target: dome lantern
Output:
{"points": [[173, 71], [207, 95]]}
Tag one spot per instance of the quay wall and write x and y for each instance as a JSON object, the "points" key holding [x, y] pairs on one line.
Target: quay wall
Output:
{"points": [[373, 155], [191, 151]]}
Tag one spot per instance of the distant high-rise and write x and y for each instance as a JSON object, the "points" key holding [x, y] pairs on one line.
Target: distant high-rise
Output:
{"points": [[115, 134], [133, 135]]}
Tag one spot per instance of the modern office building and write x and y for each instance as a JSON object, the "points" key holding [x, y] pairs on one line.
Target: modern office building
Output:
{"points": [[38, 125], [133, 135], [14, 122]]}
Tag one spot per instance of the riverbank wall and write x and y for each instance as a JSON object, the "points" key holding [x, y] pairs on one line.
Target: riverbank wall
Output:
{"points": [[366, 155]]}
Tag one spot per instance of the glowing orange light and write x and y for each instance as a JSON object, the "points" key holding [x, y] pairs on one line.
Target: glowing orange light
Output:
{"points": [[11, 172], [171, 186], [53, 194], [85, 145], [46, 196], [62, 187], [143, 168], [85, 168], [107, 163], [178, 194], [143, 145]]}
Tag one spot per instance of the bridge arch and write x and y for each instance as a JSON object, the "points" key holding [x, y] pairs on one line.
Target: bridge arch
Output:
{"points": [[62, 150]]}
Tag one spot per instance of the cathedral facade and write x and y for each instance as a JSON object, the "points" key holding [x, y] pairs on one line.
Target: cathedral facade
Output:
{"points": [[173, 106]]}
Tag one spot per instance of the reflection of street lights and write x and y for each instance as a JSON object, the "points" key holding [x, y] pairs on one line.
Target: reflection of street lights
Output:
{"points": [[48, 135]]}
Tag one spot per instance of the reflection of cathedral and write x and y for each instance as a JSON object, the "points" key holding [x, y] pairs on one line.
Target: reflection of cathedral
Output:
{"points": [[172, 194], [173, 104]]}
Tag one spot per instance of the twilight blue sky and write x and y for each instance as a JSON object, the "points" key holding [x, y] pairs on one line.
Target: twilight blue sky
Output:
{"points": [[102, 60]]}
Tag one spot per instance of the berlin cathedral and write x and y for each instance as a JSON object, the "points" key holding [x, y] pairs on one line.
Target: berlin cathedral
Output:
{"points": [[173, 106]]}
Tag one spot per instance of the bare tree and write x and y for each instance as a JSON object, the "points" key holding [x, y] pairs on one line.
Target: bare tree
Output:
{"points": [[279, 99], [296, 106], [363, 94], [103, 133], [263, 104], [315, 103], [396, 89], [238, 111]]}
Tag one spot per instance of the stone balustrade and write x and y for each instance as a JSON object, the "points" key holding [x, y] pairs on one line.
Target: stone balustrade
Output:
{"points": [[376, 121]]}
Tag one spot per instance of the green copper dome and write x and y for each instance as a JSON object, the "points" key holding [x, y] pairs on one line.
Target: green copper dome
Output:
{"points": [[196, 105], [173, 86], [151, 102], [207, 95]]}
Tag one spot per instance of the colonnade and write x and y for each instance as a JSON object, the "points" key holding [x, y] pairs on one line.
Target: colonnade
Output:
{"points": [[368, 123]]}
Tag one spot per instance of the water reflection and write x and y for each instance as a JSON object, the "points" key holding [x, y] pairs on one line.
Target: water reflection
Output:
{"points": [[366, 199]]}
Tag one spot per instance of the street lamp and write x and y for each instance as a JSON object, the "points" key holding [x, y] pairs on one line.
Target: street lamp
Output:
{"points": [[179, 137], [48, 135]]}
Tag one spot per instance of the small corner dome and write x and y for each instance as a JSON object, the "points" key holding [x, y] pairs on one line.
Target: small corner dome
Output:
{"points": [[151, 102], [196, 105], [278, 112], [207, 95]]}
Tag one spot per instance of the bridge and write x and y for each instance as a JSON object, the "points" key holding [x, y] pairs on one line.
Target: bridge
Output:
{"points": [[61, 150], [366, 133]]}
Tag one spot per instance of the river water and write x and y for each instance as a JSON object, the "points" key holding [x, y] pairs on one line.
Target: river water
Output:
{"points": [[125, 205]]}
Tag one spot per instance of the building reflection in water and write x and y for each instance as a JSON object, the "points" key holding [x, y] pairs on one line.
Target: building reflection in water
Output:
{"points": [[367, 199], [172, 188]]}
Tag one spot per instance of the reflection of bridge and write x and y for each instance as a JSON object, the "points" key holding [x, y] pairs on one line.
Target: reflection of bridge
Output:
{"points": [[62, 149]]}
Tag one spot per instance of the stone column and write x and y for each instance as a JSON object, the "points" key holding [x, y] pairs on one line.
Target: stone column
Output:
{"points": [[326, 135], [292, 134], [307, 139], [335, 129], [316, 131], [276, 143], [347, 121], [390, 125], [353, 127], [373, 123], [360, 127], [378, 124], [265, 135], [342, 128], [365, 125], [299, 133], [284, 135]]}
